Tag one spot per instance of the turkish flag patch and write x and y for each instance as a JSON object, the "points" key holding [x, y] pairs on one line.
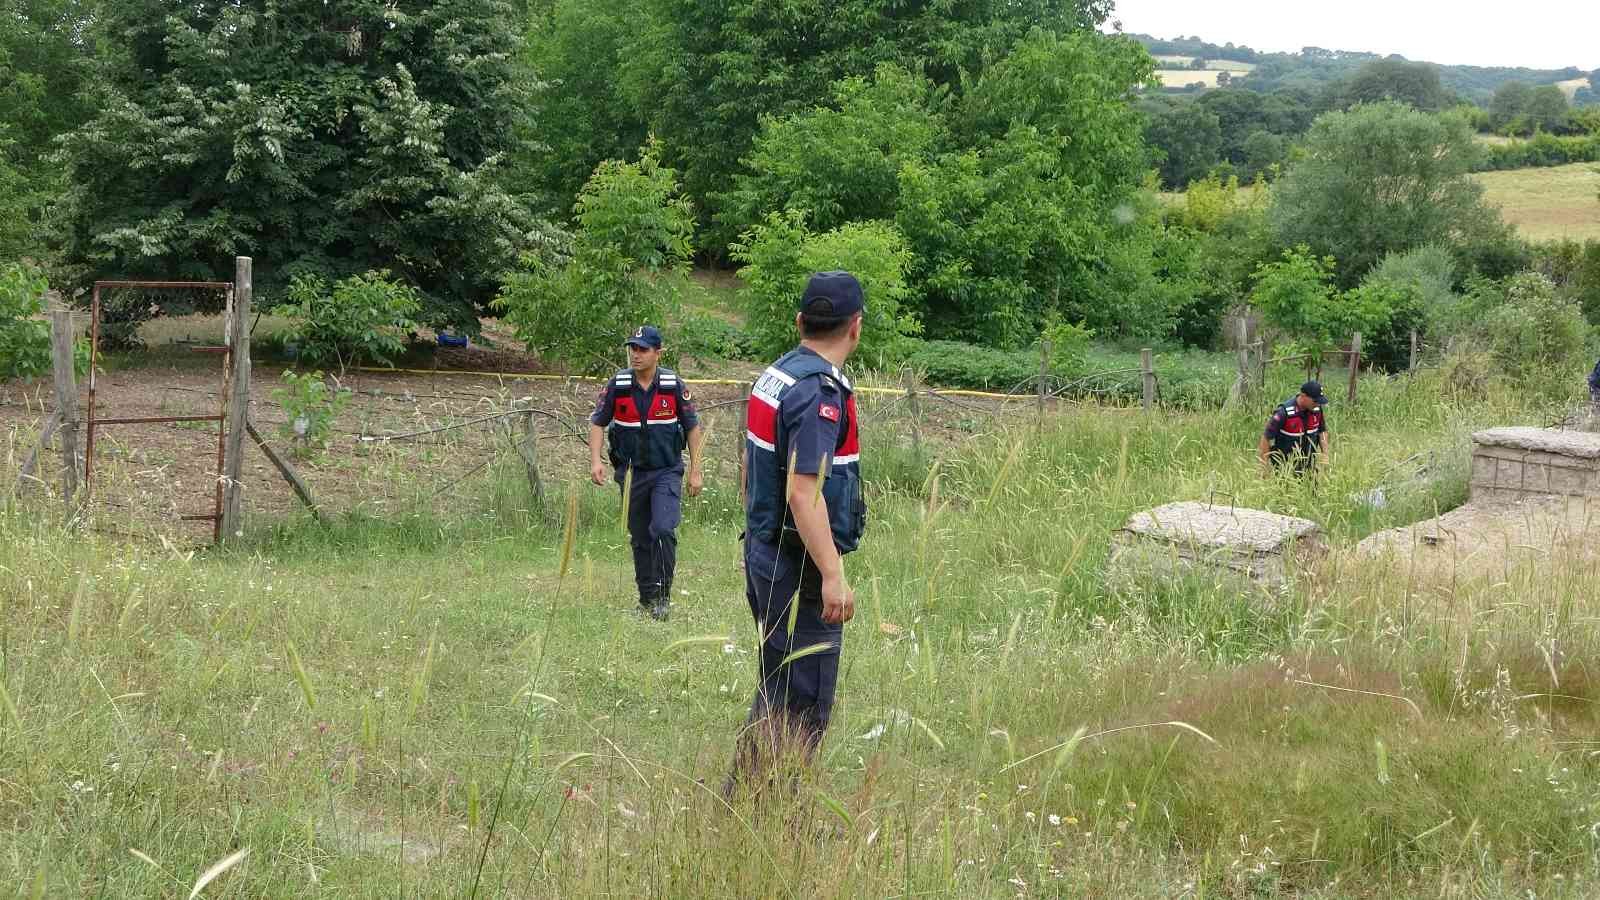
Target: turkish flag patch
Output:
{"points": [[828, 411]]}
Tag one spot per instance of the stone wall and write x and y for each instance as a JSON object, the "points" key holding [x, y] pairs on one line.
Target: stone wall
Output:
{"points": [[1512, 464]]}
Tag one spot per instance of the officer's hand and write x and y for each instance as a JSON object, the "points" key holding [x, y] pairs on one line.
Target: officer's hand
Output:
{"points": [[597, 474], [838, 601], [696, 482]]}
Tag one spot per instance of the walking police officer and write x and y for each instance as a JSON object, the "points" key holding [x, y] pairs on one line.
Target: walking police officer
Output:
{"points": [[803, 513], [647, 418], [1296, 432]]}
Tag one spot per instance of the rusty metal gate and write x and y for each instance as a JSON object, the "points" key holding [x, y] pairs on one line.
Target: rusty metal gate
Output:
{"points": [[95, 421]]}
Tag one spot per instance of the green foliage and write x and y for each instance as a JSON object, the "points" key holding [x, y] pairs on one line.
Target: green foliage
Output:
{"points": [[1422, 279], [311, 407], [839, 163], [704, 75], [24, 334], [634, 231], [708, 337], [321, 140], [1531, 328], [1414, 84], [780, 254], [364, 318], [963, 365], [1543, 149], [1296, 295], [583, 115], [1187, 138], [1575, 269], [1382, 178]]}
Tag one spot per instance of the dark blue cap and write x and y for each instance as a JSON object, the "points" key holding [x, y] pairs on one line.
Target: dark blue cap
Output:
{"points": [[832, 295], [1313, 389], [648, 337]]}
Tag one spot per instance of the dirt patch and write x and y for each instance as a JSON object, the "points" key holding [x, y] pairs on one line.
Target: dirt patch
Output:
{"points": [[147, 476]]}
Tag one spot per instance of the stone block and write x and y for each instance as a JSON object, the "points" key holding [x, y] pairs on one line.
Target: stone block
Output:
{"points": [[1483, 468], [1536, 477], [1508, 473], [1260, 548]]}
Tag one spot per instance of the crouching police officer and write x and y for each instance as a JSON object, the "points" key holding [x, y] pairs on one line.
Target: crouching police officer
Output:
{"points": [[1296, 432], [803, 512], [647, 418]]}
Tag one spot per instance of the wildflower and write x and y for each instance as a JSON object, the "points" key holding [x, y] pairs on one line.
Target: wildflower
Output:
{"points": [[1055, 819]]}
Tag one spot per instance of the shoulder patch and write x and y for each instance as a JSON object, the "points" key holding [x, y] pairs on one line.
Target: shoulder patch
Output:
{"points": [[828, 411]]}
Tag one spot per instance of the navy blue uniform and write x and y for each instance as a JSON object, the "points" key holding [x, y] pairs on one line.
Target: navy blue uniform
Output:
{"points": [[1594, 385], [1295, 434], [646, 432], [802, 414]]}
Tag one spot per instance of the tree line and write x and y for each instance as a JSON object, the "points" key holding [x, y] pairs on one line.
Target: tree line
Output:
{"points": [[987, 166]]}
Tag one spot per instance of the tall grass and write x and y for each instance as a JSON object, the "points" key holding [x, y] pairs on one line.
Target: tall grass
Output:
{"points": [[420, 705]]}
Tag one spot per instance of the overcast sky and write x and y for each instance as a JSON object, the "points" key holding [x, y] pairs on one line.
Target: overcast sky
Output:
{"points": [[1541, 34]]}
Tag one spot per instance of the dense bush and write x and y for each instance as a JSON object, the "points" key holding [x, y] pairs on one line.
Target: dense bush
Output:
{"points": [[1544, 149], [24, 335], [1531, 329], [1422, 280], [1575, 269], [708, 337], [363, 318], [781, 253], [635, 230]]}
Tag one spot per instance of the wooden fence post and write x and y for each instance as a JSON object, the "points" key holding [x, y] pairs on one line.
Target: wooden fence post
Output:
{"points": [[916, 413], [1242, 387], [1411, 367], [739, 437], [66, 387], [1148, 370], [1044, 376], [1355, 363], [237, 417]]}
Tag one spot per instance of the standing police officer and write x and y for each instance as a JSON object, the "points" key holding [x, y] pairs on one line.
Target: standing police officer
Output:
{"points": [[646, 416], [803, 512], [1296, 431]]}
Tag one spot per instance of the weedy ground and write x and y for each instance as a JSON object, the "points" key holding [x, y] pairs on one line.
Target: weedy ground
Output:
{"points": [[454, 699]]}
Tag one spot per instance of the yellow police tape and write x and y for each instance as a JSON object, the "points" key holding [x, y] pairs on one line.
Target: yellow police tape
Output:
{"points": [[732, 382]]}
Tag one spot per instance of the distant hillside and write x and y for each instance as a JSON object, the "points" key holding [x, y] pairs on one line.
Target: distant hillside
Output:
{"points": [[1315, 68]]}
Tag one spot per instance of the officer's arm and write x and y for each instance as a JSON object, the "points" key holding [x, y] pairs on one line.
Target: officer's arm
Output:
{"points": [[1264, 451], [810, 512], [697, 439]]}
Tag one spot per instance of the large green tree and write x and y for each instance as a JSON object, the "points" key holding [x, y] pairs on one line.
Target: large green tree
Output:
{"points": [[319, 138], [1382, 178], [705, 72], [1016, 198], [1188, 138], [584, 113], [1412, 83]]}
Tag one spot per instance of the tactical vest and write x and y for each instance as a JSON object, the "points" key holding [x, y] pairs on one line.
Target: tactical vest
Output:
{"points": [[646, 439], [766, 482], [1299, 432]]}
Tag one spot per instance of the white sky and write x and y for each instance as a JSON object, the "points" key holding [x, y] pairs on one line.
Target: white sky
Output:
{"points": [[1540, 34]]}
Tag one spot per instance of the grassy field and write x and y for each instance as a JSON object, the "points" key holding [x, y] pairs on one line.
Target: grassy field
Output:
{"points": [[1177, 78], [1548, 203], [1573, 86], [1543, 203], [1216, 65], [454, 700]]}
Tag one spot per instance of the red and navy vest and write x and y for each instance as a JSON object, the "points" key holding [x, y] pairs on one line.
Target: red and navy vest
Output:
{"points": [[1300, 431], [767, 514], [646, 438]]}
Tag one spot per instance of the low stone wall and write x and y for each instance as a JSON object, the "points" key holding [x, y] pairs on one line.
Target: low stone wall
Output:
{"points": [[1513, 464], [1258, 547]]}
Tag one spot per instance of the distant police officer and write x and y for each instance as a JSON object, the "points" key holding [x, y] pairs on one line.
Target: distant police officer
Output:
{"points": [[1296, 431], [646, 417], [1594, 389], [803, 512]]}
